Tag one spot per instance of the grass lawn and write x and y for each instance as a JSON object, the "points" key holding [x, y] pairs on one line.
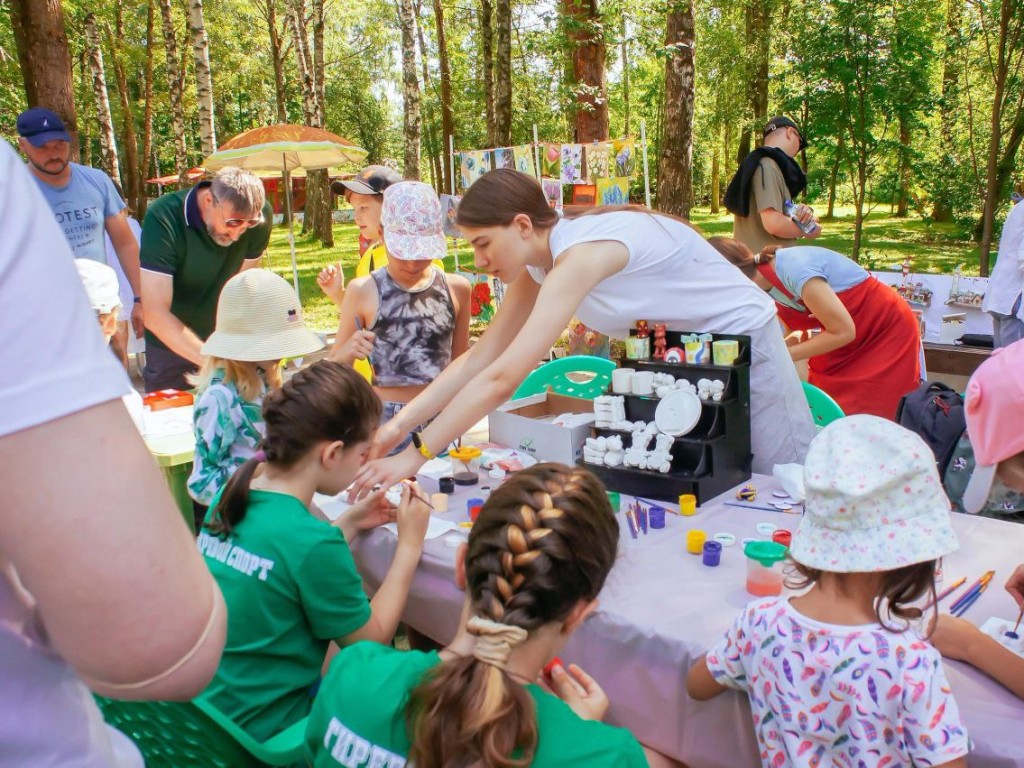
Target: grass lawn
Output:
{"points": [[887, 241]]}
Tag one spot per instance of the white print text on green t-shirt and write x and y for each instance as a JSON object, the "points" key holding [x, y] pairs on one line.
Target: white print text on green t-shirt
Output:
{"points": [[354, 751], [233, 556]]}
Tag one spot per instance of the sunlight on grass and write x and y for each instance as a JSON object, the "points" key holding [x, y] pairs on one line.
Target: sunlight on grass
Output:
{"points": [[886, 242]]}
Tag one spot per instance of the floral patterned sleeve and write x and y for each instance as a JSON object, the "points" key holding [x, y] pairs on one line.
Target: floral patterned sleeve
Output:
{"points": [[726, 660], [215, 433]]}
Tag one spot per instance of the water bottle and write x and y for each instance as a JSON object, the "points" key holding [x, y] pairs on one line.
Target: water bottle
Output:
{"points": [[789, 208]]}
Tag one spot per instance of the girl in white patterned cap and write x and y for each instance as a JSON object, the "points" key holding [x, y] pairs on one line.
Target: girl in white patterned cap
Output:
{"points": [[841, 673]]}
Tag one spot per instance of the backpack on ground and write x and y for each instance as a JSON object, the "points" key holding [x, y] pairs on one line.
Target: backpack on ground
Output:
{"points": [[936, 413]]}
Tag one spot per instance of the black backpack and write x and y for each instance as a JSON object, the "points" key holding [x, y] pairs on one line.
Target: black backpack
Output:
{"points": [[935, 412]]}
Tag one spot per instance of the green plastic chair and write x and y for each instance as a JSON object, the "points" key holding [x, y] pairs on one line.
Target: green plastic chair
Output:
{"points": [[824, 409], [175, 734], [557, 376]]}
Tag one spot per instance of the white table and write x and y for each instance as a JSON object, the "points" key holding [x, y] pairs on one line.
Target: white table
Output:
{"points": [[661, 609]]}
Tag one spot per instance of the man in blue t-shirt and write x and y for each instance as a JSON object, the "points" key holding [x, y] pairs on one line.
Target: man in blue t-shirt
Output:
{"points": [[84, 200]]}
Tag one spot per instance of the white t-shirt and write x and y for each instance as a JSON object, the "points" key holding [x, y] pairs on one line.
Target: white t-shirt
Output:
{"points": [[673, 276], [1007, 278], [56, 363]]}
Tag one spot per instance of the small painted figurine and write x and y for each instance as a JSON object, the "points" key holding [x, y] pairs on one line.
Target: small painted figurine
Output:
{"points": [[642, 330], [659, 340]]}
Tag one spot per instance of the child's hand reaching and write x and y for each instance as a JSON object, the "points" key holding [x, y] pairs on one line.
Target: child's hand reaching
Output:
{"points": [[373, 511], [1015, 586], [955, 638], [332, 282], [580, 691], [413, 517], [358, 346]]}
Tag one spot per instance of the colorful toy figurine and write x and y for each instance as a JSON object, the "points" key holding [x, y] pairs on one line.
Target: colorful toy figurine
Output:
{"points": [[659, 340], [746, 493]]}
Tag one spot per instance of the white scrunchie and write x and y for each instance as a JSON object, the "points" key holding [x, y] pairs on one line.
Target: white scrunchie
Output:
{"points": [[494, 640]]}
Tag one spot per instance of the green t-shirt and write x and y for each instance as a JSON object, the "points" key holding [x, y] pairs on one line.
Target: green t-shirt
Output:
{"points": [[175, 242], [291, 586], [358, 717]]}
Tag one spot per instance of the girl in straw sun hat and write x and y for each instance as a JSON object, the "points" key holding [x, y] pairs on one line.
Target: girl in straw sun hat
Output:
{"points": [[843, 669], [259, 322]]}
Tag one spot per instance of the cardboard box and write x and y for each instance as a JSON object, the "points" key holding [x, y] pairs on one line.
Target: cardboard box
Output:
{"points": [[525, 425], [167, 398]]}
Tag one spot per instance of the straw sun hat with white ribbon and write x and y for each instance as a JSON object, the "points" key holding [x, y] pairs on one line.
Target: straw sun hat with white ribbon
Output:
{"points": [[259, 318]]}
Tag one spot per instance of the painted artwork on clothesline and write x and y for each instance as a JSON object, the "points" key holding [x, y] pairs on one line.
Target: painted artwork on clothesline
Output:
{"points": [[550, 160], [613, 191], [597, 160], [473, 165], [503, 158], [624, 151], [572, 164], [449, 207], [524, 159], [552, 191]]}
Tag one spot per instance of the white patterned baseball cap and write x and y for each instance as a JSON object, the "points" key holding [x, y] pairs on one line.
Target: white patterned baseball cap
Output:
{"points": [[100, 283], [874, 500], [411, 220]]}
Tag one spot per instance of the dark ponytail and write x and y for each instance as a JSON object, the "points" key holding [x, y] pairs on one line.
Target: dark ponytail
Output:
{"points": [[326, 401], [545, 540], [741, 256]]}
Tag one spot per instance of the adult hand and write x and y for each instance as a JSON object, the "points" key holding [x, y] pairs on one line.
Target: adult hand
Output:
{"points": [[138, 323], [805, 215], [580, 691], [358, 346], [954, 638], [387, 437], [373, 511], [332, 282], [387, 471], [413, 516], [1015, 586]]}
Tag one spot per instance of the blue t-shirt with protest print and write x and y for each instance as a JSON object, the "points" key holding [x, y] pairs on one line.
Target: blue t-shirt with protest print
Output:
{"points": [[81, 208]]}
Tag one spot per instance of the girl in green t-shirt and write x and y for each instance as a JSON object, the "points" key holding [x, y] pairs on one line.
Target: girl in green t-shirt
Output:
{"points": [[536, 560], [287, 574]]}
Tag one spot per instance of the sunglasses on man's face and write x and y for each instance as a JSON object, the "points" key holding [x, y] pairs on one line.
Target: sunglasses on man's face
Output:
{"points": [[236, 223]]}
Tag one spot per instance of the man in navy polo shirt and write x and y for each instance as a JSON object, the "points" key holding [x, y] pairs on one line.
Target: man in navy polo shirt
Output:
{"points": [[193, 242], [84, 200]]}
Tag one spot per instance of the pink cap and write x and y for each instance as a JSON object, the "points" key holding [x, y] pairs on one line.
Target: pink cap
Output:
{"points": [[411, 220], [995, 419]]}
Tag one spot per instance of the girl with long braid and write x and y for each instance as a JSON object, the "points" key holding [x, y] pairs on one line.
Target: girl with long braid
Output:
{"points": [[536, 560]]}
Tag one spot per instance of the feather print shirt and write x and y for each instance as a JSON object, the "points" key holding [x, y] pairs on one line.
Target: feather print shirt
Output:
{"points": [[826, 695]]}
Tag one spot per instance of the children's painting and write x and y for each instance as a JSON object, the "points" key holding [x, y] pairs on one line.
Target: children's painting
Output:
{"points": [[552, 191], [473, 165], [597, 161], [523, 155], [550, 160], [614, 191], [572, 164], [503, 158], [449, 207], [624, 151]]}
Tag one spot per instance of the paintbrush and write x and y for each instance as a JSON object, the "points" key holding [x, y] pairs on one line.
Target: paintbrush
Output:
{"points": [[1014, 634], [964, 606]]}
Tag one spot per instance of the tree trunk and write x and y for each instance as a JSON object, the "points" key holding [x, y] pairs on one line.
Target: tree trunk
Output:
{"points": [[716, 183], [675, 173], [833, 179], [952, 64], [277, 57], [410, 92], [147, 111], [204, 77], [429, 124], [757, 33], [297, 21], [586, 37], [129, 143], [174, 91], [108, 143], [503, 73], [45, 60], [903, 198], [624, 46], [487, 45], [860, 194], [85, 136], [318, 182], [447, 116]]}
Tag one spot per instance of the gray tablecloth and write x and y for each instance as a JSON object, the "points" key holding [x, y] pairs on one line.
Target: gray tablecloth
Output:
{"points": [[661, 609]]}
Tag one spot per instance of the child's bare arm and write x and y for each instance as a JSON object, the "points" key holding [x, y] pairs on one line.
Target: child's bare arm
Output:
{"points": [[960, 639], [699, 682], [352, 341], [461, 290]]}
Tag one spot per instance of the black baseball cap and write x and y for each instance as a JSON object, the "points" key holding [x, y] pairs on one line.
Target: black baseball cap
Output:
{"points": [[372, 180], [39, 125], [781, 121]]}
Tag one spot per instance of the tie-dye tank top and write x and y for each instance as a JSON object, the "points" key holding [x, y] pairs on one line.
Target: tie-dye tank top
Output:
{"points": [[414, 331]]}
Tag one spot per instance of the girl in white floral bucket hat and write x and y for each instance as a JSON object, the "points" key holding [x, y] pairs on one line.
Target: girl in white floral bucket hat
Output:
{"points": [[840, 670]]}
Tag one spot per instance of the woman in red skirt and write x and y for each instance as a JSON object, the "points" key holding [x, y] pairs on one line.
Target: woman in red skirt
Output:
{"points": [[867, 354]]}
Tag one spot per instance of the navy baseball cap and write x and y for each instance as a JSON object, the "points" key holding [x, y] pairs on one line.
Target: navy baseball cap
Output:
{"points": [[39, 125], [781, 121]]}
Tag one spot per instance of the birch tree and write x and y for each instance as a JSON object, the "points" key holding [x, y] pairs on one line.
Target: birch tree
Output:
{"points": [[675, 171], [410, 91], [108, 144], [204, 77], [174, 92]]}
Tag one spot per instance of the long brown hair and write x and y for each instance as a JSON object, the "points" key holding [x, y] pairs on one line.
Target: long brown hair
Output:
{"points": [[737, 253], [900, 588], [545, 540], [326, 401]]}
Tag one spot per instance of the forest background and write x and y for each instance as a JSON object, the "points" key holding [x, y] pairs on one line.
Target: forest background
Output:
{"points": [[914, 109]]}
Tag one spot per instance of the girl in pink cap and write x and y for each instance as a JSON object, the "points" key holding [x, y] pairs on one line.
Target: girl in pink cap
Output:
{"points": [[408, 318]]}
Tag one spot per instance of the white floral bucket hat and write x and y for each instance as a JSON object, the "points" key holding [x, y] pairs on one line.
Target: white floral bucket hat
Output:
{"points": [[411, 220], [874, 501], [259, 318]]}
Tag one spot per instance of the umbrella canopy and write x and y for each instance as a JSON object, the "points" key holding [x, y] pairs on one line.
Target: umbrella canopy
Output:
{"points": [[285, 148], [195, 174]]}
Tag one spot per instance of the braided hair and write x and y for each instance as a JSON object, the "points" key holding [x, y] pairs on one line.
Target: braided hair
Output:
{"points": [[325, 401], [545, 540]]}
